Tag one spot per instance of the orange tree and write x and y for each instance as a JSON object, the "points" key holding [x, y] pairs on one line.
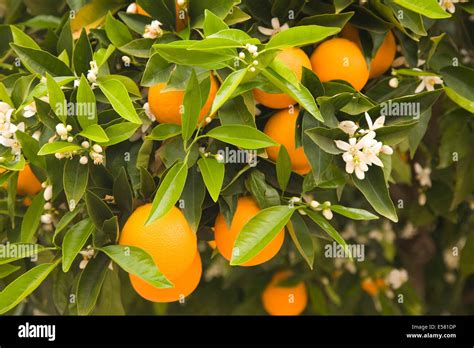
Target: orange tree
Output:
{"points": [[236, 157]]}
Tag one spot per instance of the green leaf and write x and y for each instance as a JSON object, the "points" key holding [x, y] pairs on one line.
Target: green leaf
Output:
{"points": [[138, 262], [86, 104], [98, 210], [169, 192], [327, 227], [301, 36], [82, 55], [90, 282], [459, 80], [301, 236], [147, 184], [213, 174], [24, 285], [117, 95], [324, 138], [28, 250], [301, 94], [138, 48], [227, 88], [283, 167], [427, 8], [220, 8], [117, 32], [120, 132], [259, 231], [129, 84], [6, 270], [395, 133], [102, 55], [122, 191], [459, 99], [30, 148], [212, 23], [74, 241], [157, 70], [95, 133], [236, 111], [22, 39], [64, 222], [58, 146], [65, 40], [191, 103], [178, 52], [265, 195], [374, 188], [243, 136], [464, 173], [193, 196], [353, 213], [164, 131], [31, 219], [57, 100], [75, 180]]}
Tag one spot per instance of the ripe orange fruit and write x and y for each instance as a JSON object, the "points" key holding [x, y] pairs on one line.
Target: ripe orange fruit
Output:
{"points": [[225, 237], [183, 286], [294, 58], [181, 15], [28, 184], [385, 54], [167, 106], [370, 286], [278, 300], [281, 127], [169, 240], [340, 59]]}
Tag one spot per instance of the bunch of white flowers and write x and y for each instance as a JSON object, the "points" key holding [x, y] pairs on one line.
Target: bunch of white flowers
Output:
{"points": [[8, 129], [93, 71], [361, 153], [153, 30], [30, 109], [275, 29]]}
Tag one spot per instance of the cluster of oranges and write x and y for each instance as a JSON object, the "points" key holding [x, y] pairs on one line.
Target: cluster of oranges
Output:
{"points": [[170, 240], [334, 59], [172, 244]]}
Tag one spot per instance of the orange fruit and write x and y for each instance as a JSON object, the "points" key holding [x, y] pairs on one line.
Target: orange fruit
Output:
{"points": [[278, 300], [225, 236], [183, 286], [166, 106], [169, 240], [369, 286], [181, 15], [385, 54], [294, 58], [212, 244], [281, 127], [340, 59], [28, 184]]}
